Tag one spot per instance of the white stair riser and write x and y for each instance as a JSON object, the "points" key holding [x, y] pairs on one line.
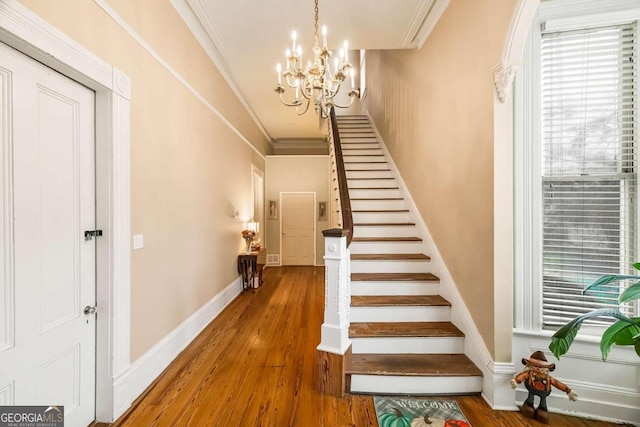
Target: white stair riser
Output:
{"points": [[377, 204], [370, 145], [359, 193], [386, 247], [381, 217], [366, 166], [358, 140], [395, 288], [346, 151], [384, 231], [439, 385], [390, 266], [400, 314], [369, 174], [366, 183], [408, 345], [349, 158]]}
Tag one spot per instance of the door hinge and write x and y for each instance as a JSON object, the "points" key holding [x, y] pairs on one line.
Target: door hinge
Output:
{"points": [[90, 234]]}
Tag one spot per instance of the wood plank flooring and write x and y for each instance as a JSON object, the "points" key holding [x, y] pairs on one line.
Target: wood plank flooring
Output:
{"points": [[255, 365]]}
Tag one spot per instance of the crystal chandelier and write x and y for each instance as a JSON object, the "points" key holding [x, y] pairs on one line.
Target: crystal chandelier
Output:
{"points": [[318, 80]]}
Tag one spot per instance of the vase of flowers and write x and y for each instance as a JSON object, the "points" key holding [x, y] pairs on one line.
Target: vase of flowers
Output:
{"points": [[248, 236]]}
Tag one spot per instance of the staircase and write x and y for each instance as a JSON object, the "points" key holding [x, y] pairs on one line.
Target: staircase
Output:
{"points": [[403, 340]]}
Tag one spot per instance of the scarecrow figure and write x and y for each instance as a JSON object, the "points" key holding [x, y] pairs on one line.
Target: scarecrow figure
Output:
{"points": [[538, 382]]}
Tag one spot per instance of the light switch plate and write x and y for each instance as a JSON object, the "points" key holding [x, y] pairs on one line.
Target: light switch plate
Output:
{"points": [[138, 241]]}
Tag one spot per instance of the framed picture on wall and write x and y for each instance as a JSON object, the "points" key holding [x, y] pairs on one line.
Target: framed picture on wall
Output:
{"points": [[273, 210], [322, 211]]}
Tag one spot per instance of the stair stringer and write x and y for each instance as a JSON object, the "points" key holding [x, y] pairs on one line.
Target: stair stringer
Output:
{"points": [[496, 389]]}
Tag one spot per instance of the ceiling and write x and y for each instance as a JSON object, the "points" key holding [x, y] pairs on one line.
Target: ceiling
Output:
{"points": [[247, 38]]}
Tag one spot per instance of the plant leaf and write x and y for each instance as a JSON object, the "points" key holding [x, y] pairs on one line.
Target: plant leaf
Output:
{"points": [[563, 338], [631, 293], [637, 347], [606, 279], [636, 265], [620, 333]]}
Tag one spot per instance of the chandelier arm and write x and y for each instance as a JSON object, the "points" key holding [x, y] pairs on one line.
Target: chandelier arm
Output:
{"points": [[295, 103], [305, 108]]}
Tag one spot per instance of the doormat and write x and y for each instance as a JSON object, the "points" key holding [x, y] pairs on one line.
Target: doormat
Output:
{"points": [[418, 412]]}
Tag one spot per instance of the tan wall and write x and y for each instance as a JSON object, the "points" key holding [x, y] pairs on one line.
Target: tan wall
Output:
{"points": [[291, 174], [434, 108], [189, 170]]}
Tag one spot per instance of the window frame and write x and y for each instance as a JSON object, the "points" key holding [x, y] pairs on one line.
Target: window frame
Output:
{"points": [[528, 197]]}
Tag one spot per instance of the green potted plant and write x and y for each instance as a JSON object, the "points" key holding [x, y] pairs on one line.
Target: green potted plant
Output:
{"points": [[624, 332]]}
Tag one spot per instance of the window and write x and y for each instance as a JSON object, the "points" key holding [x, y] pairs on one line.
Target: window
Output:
{"points": [[588, 164], [583, 183]]}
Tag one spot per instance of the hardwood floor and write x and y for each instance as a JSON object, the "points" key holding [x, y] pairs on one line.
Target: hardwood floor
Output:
{"points": [[255, 365]]}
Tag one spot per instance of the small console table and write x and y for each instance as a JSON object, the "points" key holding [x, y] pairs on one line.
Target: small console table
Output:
{"points": [[249, 269]]}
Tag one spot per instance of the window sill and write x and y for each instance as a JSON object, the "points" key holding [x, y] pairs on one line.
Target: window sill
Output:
{"points": [[583, 347]]}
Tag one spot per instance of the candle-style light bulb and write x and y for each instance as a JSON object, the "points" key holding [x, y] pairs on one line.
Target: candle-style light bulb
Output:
{"points": [[279, 70], [324, 36], [346, 51], [294, 36], [297, 84], [353, 78], [335, 65]]}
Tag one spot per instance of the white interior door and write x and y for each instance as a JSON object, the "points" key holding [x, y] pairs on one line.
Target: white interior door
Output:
{"points": [[298, 228], [47, 346]]}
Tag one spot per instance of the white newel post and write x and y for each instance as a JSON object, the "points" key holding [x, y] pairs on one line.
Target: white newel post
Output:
{"points": [[334, 350], [337, 298]]}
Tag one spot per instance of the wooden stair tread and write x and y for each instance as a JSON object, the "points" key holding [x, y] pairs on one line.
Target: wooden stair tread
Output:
{"points": [[374, 188], [385, 224], [363, 155], [436, 365], [366, 163], [394, 277], [369, 179], [404, 329], [389, 257], [386, 239], [398, 301], [367, 170], [380, 211], [362, 199]]}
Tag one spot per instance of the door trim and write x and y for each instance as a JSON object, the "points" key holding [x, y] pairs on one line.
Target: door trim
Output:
{"points": [[315, 222], [28, 33]]}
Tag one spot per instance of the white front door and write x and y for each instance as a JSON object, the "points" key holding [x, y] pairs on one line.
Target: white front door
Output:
{"points": [[298, 220], [47, 177]]}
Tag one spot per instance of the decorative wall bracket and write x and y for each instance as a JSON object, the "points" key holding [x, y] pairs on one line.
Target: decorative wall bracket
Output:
{"points": [[503, 75]]}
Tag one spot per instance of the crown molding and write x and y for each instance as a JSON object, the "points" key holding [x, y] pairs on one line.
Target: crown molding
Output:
{"points": [[425, 18], [195, 18]]}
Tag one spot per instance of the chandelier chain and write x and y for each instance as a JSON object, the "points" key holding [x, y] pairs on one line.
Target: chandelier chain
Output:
{"points": [[316, 22]]}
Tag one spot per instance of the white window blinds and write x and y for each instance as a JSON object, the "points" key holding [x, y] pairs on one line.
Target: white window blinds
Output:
{"points": [[589, 166]]}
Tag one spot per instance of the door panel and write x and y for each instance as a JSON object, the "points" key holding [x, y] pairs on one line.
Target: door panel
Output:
{"points": [[298, 230], [51, 201]]}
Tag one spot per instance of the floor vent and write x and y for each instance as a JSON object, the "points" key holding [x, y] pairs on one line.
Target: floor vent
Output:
{"points": [[273, 259]]}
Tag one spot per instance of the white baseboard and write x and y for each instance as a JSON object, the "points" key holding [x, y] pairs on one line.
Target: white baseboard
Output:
{"points": [[587, 408], [496, 388], [150, 365]]}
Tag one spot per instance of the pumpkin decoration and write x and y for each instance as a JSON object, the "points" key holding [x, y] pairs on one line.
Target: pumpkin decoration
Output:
{"points": [[427, 422], [394, 419], [456, 423]]}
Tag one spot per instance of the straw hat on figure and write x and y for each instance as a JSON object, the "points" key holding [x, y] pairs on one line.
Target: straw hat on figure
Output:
{"points": [[538, 382]]}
